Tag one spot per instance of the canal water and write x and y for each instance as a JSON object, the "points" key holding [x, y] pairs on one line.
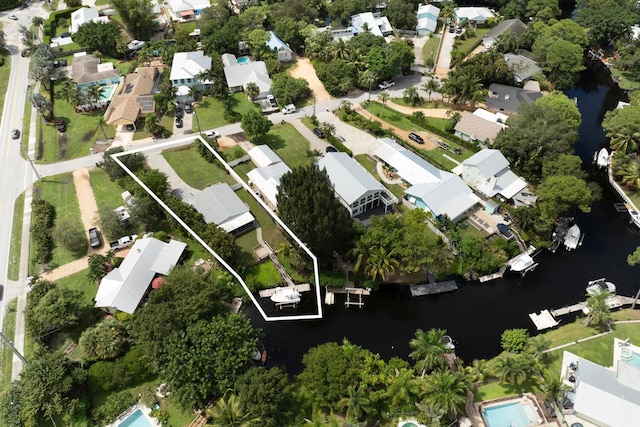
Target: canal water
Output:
{"points": [[476, 314]]}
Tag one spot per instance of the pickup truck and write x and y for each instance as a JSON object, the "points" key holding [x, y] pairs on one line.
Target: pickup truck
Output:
{"points": [[123, 242], [94, 238], [386, 84]]}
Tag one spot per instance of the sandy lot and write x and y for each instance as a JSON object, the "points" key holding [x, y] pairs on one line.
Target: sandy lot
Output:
{"points": [[305, 70]]}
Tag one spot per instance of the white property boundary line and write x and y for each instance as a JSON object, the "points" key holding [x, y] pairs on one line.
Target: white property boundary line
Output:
{"points": [[204, 244]]}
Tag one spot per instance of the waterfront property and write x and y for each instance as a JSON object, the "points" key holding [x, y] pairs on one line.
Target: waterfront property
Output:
{"points": [[508, 98], [601, 395], [516, 26], [220, 205], [521, 411], [524, 68], [266, 177]]}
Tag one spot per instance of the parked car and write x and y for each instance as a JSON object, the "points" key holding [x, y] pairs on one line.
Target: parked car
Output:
{"points": [[179, 113], [459, 30], [23, 6], [288, 109], [24, 53], [123, 242], [12, 17], [212, 134], [130, 128], [457, 150], [60, 126], [63, 62], [94, 238], [386, 84], [188, 108], [179, 123], [272, 101], [318, 132], [331, 149], [65, 34], [415, 137], [56, 64], [452, 28], [15, 134]]}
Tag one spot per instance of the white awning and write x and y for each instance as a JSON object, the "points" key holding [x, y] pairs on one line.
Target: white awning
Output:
{"points": [[514, 188]]}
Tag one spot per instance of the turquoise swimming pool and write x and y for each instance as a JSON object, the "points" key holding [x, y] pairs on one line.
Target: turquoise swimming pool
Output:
{"points": [[244, 60], [632, 358], [107, 92], [137, 419], [510, 414]]}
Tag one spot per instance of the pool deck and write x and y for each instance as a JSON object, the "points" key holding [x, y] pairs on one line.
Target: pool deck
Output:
{"points": [[126, 414], [478, 420]]}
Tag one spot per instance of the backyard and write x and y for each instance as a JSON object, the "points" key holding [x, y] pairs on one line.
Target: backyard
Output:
{"points": [[193, 169], [210, 110]]}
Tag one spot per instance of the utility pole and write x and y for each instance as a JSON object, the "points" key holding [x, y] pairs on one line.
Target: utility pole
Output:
{"points": [[314, 105], [370, 83], [15, 351], [26, 155]]}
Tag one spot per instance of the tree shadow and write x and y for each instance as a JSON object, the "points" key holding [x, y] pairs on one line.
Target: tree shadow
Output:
{"points": [[274, 142]]}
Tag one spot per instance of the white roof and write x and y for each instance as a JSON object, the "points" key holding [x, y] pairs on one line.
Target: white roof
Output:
{"points": [[427, 17], [490, 163], [187, 65], [451, 196], [263, 155], [220, 205], [267, 179], [497, 118], [376, 24], [509, 184], [411, 167], [186, 5], [124, 286], [241, 74], [85, 15], [473, 13], [350, 180]]}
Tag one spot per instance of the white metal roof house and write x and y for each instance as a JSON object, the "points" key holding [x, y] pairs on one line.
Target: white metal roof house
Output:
{"points": [[266, 180], [85, 15], [263, 155], [427, 19], [285, 54], [220, 205], [356, 189], [604, 396], [430, 189], [239, 75], [374, 22], [186, 67], [123, 287], [488, 172], [482, 127], [472, 15], [516, 26], [186, 9]]}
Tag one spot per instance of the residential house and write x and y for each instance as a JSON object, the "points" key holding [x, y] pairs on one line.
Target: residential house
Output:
{"points": [[85, 15], [186, 70], [239, 75], [266, 177], [135, 98], [375, 23], [356, 189], [516, 26], [599, 395], [285, 54], [429, 188], [220, 205], [87, 70], [123, 288], [488, 172], [472, 15], [508, 98], [524, 68], [427, 19], [187, 10], [481, 126], [263, 155]]}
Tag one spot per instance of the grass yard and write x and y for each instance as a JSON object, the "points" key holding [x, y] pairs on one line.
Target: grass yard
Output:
{"points": [[270, 230], [79, 282], [262, 276], [627, 79], [106, 192], [13, 271], [193, 169], [60, 192], [370, 166], [8, 327], [288, 143], [430, 48], [392, 117], [210, 110], [471, 43], [166, 121], [246, 242], [5, 71]]}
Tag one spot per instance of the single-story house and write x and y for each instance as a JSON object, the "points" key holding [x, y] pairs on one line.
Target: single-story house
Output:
{"points": [[220, 205], [186, 69], [188, 9], [604, 396], [87, 70], [123, 287], [473, 15], [375, 23], [239, 75], [508, 98], [488, 172], [356, 189], [523, 67], [431, 189], [516, 26], [427, 19], [263, 155], [266, 180], [285, 53], [85, 15], [481, 126], [135, 98]]}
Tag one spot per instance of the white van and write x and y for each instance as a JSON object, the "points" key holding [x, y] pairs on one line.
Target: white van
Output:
{"points": [[288, 109]]}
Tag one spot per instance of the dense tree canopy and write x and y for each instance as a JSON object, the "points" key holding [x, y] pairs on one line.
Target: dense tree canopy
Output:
{"points": [[607, 20], [102, 36], [266, 393], [622, 126], [254, 125], [59, 307], [289, 90], [560, 195], [401, 14], [138, 16]]}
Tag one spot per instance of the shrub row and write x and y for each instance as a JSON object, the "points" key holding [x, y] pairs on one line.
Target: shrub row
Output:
{"points": [[339, 145], [423, 122], [41, 227]]}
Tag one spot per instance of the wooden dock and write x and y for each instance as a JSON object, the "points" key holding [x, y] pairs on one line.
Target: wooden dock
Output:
{"points": [[353, 296], [614, 301], [544, 320], [433, 288], [266, 293]]}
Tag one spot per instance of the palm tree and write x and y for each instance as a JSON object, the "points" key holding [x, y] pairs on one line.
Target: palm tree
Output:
{"points": [[228, 413], [383, 97], [431, 86], [470, 86], [361, 252], [328, 128], [506, 42], [599, 311], [340, 50], [68, 90], [404, 388], [411, 95], [445, 391], [428, 349], [510, 368], [356, 403], [553, 388], [479, 371], [102, 123], [151, 124], [320, 419], [252, 90], [95, 92], [381, 263]]}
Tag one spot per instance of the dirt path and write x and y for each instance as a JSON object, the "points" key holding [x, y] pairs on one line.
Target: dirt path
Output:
{"points": [[428, 142], [440, 113], [305, 70]]}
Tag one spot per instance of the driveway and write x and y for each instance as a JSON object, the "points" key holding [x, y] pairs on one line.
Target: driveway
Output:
{"points": [[356, 140], [444, 55]]}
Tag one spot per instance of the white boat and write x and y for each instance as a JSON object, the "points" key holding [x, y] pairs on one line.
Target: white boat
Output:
{"points": [[286, 296], [522, 262], [602, 160], [600, 285], [448, 342], [572, 238]]}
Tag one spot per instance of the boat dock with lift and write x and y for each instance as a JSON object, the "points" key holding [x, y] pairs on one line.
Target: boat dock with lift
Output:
{"points": [[353, 296], [273, 293], [546, 318], [521, 263], [432, 288]]}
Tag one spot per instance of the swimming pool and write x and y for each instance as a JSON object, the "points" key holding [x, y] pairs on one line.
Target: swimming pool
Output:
{"points": [[137, 419], [107, 92], [632, 358], [511, 414], [244, 60]]}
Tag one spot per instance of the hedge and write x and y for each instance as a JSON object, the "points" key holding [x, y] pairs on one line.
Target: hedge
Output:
{"points": [[339, 145], [41, 226]]}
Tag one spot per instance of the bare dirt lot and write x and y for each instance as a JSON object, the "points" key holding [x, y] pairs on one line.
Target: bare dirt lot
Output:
{"points": [[305, 70]]}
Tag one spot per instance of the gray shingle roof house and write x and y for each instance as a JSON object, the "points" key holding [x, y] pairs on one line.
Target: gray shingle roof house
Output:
{"points": [[473, 127], [514, 25], [508, 98], [605, 396], [523, 68], [87, 70], [123, 287], [357, 190], [220, 205], [488, 172], [239, 75]]}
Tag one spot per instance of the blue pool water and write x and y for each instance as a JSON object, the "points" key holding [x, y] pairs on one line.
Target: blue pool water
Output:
{"points": [[634, 360], [107, 92], [513, 414], [244, 60], [137, 419]]}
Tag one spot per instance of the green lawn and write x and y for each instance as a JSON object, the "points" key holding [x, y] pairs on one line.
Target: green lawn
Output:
{"points": [[79, 282], [8, 328], [166, 121], [263, 276], [270, 230], [370, 166], [392, 117], [106, 192], [430, 48], [468, 45], [288, 143], [5, 71], [193, 169], [246, 242], [627, 79], [60, 192], [16, 236], [210, 110]]}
